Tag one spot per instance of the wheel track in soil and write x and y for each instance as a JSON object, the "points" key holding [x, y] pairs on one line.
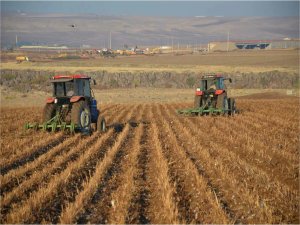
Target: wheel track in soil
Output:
{"points": [[189, 125], [174, 121], [15, 177], [185, 137], [194, 196], [163, 191], [280, 207], [136, 211], [74, 186], [108, 183], [84, 144], [124, 183], [83, 198], [123, 194]]}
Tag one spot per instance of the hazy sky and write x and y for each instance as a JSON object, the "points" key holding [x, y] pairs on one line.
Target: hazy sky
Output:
{"points": [[157, 8]]}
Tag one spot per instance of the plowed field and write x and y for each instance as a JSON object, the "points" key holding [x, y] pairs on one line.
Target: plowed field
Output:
{"points": [[153, 166]]}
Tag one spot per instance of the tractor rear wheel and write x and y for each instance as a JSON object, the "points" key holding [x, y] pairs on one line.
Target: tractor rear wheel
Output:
{"points": [[197, 102], [231, 106], [222, 103], [49, 112], [81, 116], [101, 124]]}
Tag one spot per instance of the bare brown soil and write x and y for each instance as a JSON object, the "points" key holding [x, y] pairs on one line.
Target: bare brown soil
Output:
{"points": [[153, 166], [243, 61]]}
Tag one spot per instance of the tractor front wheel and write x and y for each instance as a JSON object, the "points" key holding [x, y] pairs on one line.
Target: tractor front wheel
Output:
{"points": [[101, 124], [81, 116], [231, 106]]}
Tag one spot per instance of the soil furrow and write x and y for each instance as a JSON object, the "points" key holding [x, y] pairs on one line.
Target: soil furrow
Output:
{"points": [[243, 176], [33, 153], [16, 177], [41, 178], [104, 169], [195, 198]]}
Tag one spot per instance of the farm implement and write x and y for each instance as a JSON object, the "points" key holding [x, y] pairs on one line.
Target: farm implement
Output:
{"points": [[72, 107], [211, 98]]}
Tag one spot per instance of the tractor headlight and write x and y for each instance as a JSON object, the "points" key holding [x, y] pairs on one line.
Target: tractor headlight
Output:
{"points": [[55, 100]]}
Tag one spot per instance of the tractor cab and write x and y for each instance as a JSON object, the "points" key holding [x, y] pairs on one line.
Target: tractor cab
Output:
{"points": [[69, 86], [211, 97], [72, 106], [212, 83]]}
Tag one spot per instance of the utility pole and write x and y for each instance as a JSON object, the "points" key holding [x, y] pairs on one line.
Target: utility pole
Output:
{"points": [[227, 41], [172, 45], [109, 39]]}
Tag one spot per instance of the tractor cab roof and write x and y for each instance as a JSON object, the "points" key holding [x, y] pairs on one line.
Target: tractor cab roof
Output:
{"points": [[65, 78], [212, 76]]}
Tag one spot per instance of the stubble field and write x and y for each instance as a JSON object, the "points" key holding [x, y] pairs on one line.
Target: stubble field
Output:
{"points": [[153, 166]]}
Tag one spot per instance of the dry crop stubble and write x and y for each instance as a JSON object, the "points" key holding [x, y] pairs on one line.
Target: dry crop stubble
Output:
{"points": [[211, 169], [222, 181], [194, 194], [224, 146]]}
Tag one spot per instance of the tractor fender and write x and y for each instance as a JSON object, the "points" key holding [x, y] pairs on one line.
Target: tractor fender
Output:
{"points": [[76, 98], [50, 100]]}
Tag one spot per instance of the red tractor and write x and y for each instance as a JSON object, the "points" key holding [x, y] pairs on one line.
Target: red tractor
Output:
{"points": [[211, 98], [72, 106]]}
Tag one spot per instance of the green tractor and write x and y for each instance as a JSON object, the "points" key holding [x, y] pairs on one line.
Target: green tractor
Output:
{"points": [[72, 106], [211, 98]]}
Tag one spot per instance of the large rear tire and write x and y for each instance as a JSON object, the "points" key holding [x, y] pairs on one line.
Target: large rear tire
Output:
{"points": [[49, 112], [231, 106], [222, 103], [81, 116], [197, 101]]}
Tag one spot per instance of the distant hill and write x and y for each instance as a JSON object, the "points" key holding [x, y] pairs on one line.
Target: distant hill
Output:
{"points": [[94, 30]]}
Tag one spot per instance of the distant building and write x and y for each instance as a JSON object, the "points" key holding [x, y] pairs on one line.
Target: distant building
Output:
{"points": [[253, 44], [42, 48]]}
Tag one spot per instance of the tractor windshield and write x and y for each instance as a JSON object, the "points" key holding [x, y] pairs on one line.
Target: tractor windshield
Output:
{"points": [[64, 88], [213, 83], [210, 84]]}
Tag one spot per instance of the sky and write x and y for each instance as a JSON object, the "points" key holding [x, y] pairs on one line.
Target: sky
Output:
{"points": [[145, 22], [158, 8]]}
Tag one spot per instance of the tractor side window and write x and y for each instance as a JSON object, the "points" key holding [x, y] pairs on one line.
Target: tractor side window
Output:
{"points": [[86, 88], [59, 89], [70, 88], [221, 84], [79, 87]]}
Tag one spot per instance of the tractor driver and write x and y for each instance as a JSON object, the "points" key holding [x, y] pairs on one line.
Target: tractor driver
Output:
{"points": [[213, 85], [70, 88]]}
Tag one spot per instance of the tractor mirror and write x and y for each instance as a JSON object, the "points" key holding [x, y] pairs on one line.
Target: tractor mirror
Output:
{"points": [[94, 82]]}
